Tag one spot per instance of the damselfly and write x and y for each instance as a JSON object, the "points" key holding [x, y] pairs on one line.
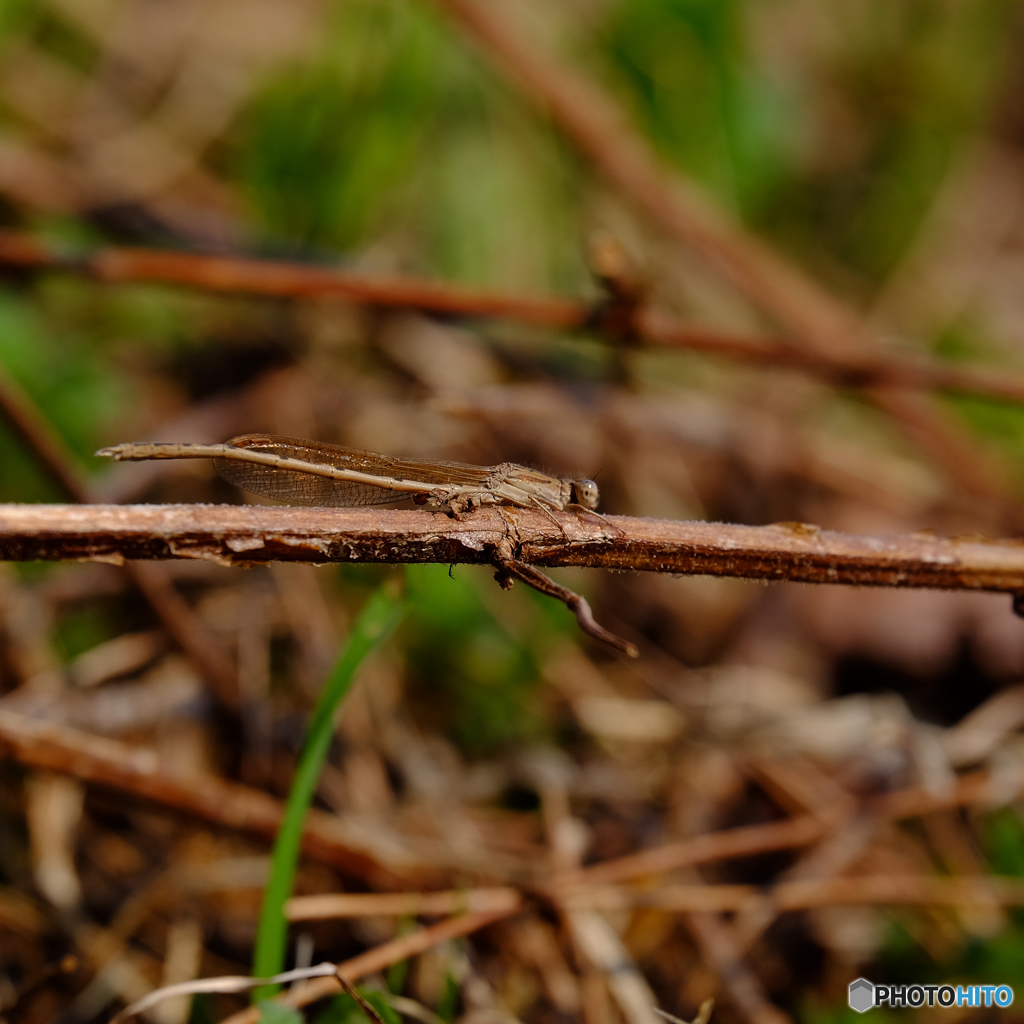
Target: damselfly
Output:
{"points": [[316, 473]]}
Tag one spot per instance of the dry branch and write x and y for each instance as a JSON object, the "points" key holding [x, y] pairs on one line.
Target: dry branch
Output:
{"points": [[112, 764], [801, 895], [854, 369], [287, 280], [381, 957], [115, 765], [327, 906], [744, 841], [718, 948], [119, 766], [978, 789], [252, 534], [278, 279]]}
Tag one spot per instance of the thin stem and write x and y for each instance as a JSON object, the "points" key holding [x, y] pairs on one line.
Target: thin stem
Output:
{"points": [[576, 603], [380, 615], [625, 318], [251, 534]]}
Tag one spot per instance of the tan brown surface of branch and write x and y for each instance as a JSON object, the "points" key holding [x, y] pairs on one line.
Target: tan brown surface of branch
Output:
{"points": [[247, 534], [109, 763]]}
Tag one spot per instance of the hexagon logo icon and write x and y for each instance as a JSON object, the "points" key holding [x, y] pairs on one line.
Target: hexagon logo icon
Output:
{"points": [[862, 995]]}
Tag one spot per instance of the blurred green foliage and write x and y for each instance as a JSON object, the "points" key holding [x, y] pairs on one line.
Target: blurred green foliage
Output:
{"points": [[44, 25], [475, 678], [83, 628], [344, 1009], [49, 347], [447, 1005], [1002, 424], [278, 1013], [202, 1011], [395, 128], [838, 151], [326, 146], [703, 102], [980, 960]]}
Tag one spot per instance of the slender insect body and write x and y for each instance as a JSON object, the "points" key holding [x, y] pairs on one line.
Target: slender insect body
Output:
{"points": [[312, 473], [316, 473], [517, 485]]}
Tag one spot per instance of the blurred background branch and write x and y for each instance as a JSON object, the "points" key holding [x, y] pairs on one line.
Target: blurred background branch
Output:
{"points": [[298, 280]]}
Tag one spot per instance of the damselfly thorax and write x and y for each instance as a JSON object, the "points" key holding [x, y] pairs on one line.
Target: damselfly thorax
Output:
{"points": [[316, 473]]}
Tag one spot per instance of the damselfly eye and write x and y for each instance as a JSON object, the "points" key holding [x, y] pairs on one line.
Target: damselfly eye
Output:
{"points": [[587, 493]]}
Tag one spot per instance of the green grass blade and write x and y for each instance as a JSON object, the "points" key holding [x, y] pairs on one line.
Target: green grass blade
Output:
{"points": [[378, 618]]}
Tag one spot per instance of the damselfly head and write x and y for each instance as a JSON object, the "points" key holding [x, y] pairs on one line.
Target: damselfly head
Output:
{"points": [[585, 493]]}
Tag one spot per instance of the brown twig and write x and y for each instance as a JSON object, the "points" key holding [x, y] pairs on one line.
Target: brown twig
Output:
{"points": [[56, 461], [850, 830], [367, 1007], [110, 763], [288, 280], [800, 895], [116, 765], [600, 948], [714, 937], [622, 319], [975, 788], [186, 630], [248, 534], [576, 603], [850, 369], [967, 791], [380, 957], [745, 841], [398, 904]]}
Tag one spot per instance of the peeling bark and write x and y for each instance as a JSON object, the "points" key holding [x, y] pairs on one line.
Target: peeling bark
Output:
{"points": [[253, 534]]}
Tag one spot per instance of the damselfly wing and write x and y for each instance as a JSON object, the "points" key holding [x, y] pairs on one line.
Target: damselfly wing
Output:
{"points": [[298, 488]]}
